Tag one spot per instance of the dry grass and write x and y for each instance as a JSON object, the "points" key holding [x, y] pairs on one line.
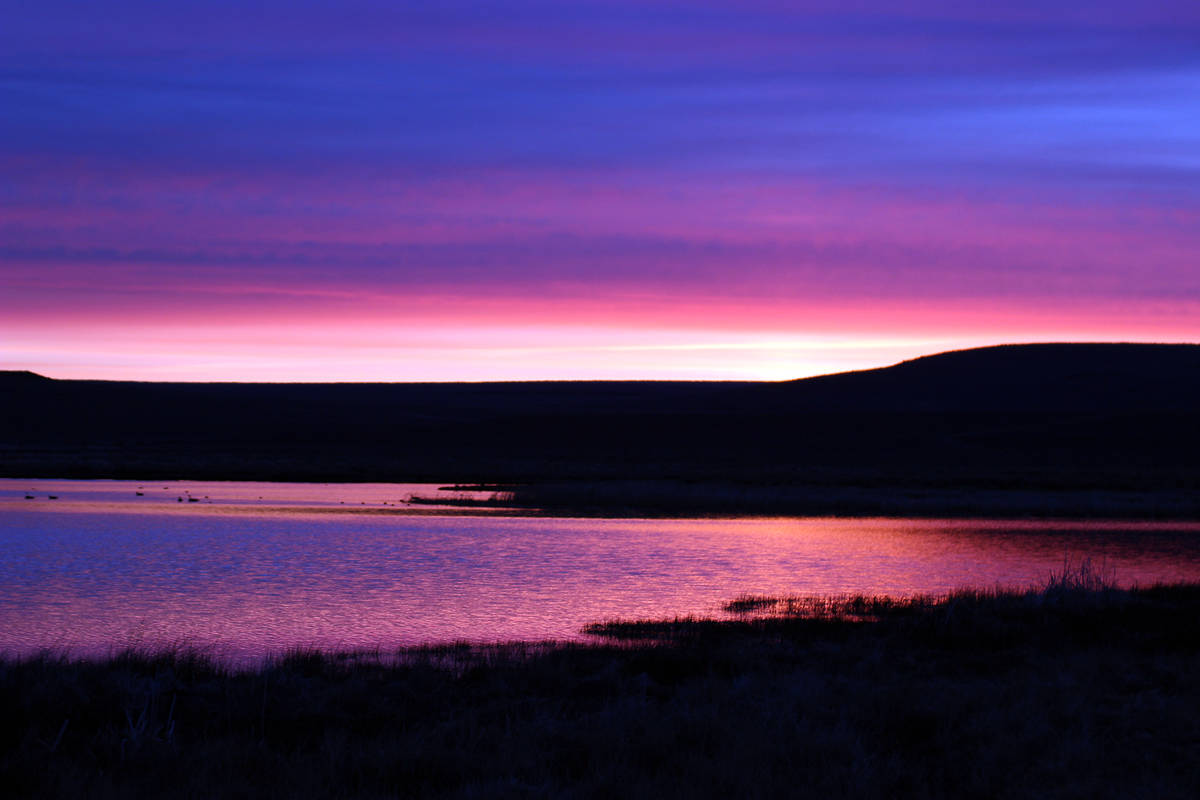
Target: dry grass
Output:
{"points": [[1071, 689]]}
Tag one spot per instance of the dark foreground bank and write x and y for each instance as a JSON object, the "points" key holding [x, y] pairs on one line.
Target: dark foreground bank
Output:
{"points": [[1074, 690]]}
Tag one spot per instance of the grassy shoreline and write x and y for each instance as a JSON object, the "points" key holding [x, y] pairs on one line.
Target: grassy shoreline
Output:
{"points": [[697, 498], [1072, 689]]}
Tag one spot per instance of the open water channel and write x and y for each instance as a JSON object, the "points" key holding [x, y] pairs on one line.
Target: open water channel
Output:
{"points": [[246, 569]]}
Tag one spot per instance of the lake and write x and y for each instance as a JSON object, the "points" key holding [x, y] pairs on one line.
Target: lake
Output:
{"points": [[246, 569]]}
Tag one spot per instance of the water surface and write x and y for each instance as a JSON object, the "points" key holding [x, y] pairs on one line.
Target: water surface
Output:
{"points": [[350, 565]]}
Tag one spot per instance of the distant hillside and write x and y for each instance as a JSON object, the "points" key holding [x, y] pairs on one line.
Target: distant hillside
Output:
{"points": [[1087, 414], [14, 379], [1030, 377]]}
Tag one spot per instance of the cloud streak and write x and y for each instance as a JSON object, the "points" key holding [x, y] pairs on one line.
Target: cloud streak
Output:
{"points": [[232, 160]]}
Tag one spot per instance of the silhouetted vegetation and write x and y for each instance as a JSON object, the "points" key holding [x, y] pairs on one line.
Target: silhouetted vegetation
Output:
{"points": [[650, 498], [1076, 689]]}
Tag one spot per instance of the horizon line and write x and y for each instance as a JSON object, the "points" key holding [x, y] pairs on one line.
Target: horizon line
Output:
{"points": [[1001, 345]]}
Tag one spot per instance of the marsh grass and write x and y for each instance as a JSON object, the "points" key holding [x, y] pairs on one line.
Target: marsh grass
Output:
{"points": [[465, 498], [1082, 581], [836, 495], [1074, 688]]}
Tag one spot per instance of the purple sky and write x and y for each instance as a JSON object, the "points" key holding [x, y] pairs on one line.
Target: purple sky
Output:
{"points": [[404, 191]]}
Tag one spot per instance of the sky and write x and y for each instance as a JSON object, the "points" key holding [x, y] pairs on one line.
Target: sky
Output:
{"points": [[537, 189]]}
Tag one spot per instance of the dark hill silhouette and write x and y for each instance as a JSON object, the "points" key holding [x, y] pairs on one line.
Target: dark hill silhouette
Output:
{"points": [[1031, 377], [1099, 415], [19, 379]]}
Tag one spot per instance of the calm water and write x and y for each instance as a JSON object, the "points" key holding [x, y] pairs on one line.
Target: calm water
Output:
{"points": [[251, 568]]}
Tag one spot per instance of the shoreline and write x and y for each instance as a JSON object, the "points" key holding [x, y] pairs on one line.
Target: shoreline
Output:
{"points": [[1072, 689], [740, 499], [719, 499]]}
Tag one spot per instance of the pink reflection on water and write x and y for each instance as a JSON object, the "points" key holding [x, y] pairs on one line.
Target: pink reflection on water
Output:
{"points": [[253, 581]]}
